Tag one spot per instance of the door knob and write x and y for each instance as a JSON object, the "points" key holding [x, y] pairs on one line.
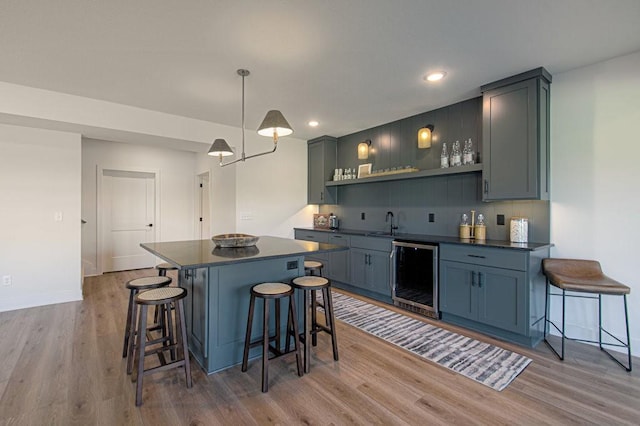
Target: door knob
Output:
{"points": [[150, 225]]}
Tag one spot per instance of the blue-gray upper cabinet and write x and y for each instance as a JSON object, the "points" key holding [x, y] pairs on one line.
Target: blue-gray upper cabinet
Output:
{"points": [[515, 115], [322, 162]]}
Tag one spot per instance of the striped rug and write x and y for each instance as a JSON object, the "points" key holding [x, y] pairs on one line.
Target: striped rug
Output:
{"points": [[485, 363]]}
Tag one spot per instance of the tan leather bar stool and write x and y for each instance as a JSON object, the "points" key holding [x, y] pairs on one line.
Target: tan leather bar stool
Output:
{"points": [[164, 267], [135, 286], [266, 292], [584, 276], [309, 285], [173, 340], [313, 267]]}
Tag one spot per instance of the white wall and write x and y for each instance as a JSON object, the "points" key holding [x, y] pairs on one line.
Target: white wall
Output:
{"points": [[177, 171], [39, 176], [271, 190], [595, 158]]}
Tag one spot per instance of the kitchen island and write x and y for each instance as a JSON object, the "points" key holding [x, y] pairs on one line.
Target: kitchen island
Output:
{"points": [[218, 281]]}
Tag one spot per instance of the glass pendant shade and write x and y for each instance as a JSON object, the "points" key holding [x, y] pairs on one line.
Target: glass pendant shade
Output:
{"points": [[220, 148], [274, 125], [424, 137]]}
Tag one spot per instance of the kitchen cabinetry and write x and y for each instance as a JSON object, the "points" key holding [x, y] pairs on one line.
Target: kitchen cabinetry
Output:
{"points": [[370, 264], [496, 291], [322, 162], [515, 129], [195, 281], [338, 268]]}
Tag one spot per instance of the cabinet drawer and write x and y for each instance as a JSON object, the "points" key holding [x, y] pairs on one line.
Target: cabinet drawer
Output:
{"points": [[371, 243], [317, 236], [340, 240], [500, 258]]}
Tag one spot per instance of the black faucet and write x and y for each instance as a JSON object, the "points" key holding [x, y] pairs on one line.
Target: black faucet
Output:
{"points": [[391, 227]]}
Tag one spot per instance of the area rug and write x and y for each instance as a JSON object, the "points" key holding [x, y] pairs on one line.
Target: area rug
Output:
{"points": [[485, 363]]}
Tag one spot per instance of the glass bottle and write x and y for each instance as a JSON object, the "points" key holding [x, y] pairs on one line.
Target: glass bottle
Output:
{"points": [[444, 157], [456, 159]]}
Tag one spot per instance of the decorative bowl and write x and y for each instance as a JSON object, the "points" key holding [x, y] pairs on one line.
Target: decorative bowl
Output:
{"points": [[236, 252], [235, 240]]}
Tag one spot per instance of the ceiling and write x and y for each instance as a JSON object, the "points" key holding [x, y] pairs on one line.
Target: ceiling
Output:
{"points": [[350, 64]]}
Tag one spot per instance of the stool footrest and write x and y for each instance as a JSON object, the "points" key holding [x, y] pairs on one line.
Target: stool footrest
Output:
{"points": [[169, 366]]}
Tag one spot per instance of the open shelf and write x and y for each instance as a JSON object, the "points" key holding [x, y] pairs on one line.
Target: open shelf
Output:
{"points": [[409, 175]]}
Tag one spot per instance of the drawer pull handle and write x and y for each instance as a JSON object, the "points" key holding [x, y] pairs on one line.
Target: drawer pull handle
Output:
{"points": [[477, 255]]}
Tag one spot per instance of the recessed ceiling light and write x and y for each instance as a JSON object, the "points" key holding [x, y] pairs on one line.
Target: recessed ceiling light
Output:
{"points": [[313, 123], [435, 76]]}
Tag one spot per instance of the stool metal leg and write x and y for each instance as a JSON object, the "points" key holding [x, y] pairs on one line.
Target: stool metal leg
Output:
{"points": [[182, 341], [314, 319], [245, 356], [265, 347], [307, 330], [330, 319], [292, 313], [127, 328], [141, 338]]}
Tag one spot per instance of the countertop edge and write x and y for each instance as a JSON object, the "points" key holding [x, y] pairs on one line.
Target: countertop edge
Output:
{"points": [[438, 239]]}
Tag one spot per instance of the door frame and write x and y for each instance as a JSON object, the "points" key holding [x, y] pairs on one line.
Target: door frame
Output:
{"points": [[100, 169], [198, 203]]}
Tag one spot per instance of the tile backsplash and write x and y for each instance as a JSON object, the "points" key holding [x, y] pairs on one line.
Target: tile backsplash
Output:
{"points": [[446, 198]]}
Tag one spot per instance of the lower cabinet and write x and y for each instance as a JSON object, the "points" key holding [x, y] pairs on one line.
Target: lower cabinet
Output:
{"points": [[370, 264], [493, 290], [491, 296], [338, 267]]}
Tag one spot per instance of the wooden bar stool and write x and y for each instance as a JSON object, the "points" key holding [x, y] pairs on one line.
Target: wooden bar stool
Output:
{"points": [[164, 267], [170, 340], [311, 328], [266, 292], [135, 286], [584, 276], [313, 267]]}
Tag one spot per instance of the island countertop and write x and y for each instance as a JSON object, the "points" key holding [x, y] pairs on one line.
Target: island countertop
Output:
{"points": [[201, 253]]}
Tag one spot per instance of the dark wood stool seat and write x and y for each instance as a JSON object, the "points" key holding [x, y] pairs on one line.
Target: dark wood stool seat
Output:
{"points": [[170, 340], [309, 285], [266, 292], [135, 286], [584, 276], [164, 267], [313, 267]]}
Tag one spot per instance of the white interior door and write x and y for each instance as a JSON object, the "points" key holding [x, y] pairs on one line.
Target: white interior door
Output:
{"points": [[128, 216], [204, 219]]}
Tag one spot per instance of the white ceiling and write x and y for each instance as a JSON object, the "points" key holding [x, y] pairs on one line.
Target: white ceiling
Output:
{"points": [[351, 64]]}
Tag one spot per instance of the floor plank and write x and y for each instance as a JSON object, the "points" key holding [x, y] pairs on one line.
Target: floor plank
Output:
{"points": [[62, 364]]}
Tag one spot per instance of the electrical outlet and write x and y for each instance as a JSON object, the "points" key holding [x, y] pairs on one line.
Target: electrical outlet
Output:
{"points": [[500, 219], [6, 280], [362, 216], [57, 216], [432, 217], [292, 265]]}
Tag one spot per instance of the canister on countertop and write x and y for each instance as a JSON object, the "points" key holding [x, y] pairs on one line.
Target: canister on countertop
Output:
{"points": [[465, 228], [480, 230], [519, 230]]}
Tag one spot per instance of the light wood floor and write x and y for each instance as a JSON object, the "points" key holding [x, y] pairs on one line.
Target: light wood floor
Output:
{"points": [[62, 365]]}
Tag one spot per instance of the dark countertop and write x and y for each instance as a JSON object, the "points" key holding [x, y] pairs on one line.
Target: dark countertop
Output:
{"points": [[201, 253], [435, 239]]}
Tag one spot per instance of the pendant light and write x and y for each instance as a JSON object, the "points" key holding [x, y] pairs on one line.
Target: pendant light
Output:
{"points": [[274, 125]]}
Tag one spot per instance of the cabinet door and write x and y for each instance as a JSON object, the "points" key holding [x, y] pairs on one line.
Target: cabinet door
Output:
{"points": [[515, 141], [377, 272], [358, 264], [316, 173], [338, 269], [321, 164], [458, 295], [502, 298]]}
